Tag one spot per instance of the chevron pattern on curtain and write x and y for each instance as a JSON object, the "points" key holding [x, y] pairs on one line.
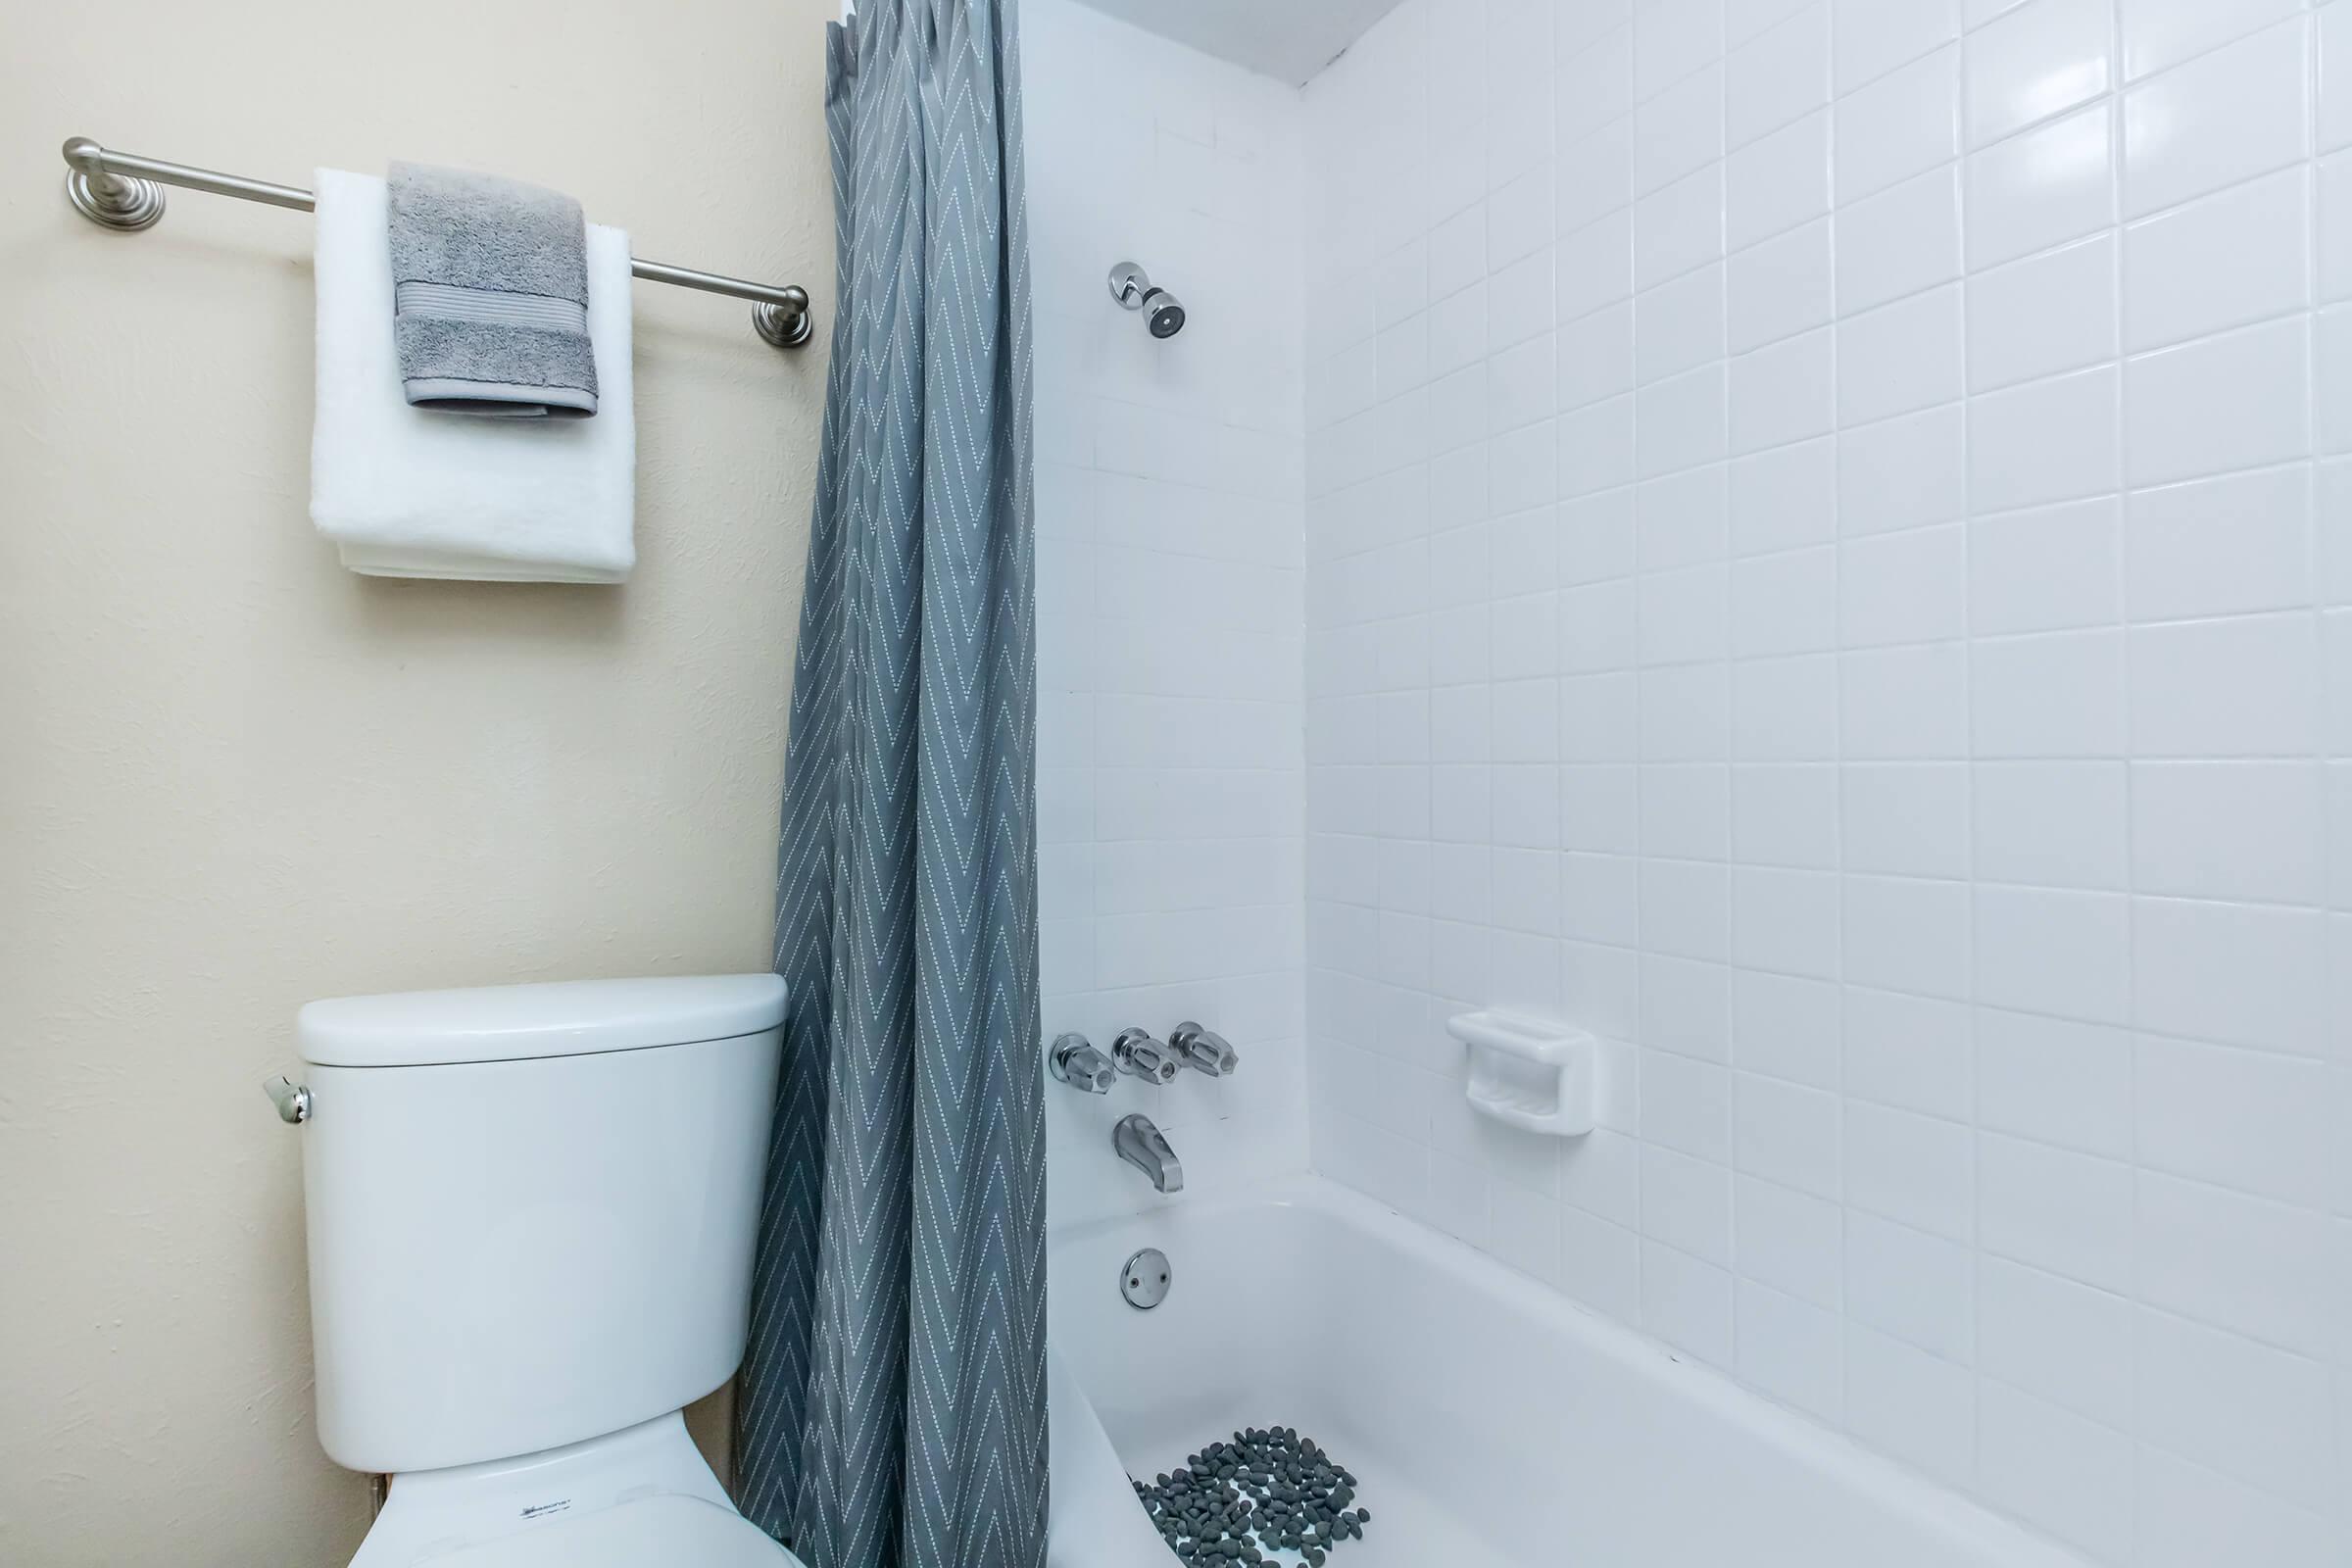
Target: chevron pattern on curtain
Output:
{"points": [[893, 1404]]}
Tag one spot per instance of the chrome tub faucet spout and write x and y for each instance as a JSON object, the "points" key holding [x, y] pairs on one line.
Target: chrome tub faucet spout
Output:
{"points": [[1146, 1147]]}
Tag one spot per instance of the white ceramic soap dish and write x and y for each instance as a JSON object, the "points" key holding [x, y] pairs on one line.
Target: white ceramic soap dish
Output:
{"points": [[1541, 1077]]}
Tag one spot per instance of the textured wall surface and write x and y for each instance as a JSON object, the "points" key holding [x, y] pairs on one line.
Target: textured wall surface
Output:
{"points": [[1169, 577], [239, 777], [1827, 566]]}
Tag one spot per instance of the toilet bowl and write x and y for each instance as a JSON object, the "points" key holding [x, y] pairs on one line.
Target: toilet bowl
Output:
{"points": [[530, 1214]]}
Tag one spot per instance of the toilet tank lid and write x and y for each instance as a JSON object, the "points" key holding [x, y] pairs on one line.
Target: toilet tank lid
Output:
{"points": [[511, 1023]]}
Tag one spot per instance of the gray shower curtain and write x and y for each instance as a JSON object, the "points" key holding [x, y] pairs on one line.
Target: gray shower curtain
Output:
{"points": [[892, 1412]]}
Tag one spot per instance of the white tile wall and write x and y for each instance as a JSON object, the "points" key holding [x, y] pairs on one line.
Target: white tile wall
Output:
{"points": [[1826, 562], [1169, 590]]}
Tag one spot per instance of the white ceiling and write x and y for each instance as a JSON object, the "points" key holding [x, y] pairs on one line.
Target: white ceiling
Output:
{"points": [[1287, 39]]}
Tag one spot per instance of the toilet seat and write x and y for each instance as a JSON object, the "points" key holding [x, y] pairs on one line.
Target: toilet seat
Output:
{"points": [[659, 1531]]}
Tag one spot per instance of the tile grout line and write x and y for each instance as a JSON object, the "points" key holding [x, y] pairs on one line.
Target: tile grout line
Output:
{"points": [[2120, 326], [1730, 1025], [1968, 695], [1838, 855]]}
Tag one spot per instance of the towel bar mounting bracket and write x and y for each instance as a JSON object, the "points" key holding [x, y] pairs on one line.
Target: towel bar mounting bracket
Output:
{"points": [[782, 325], [119, 201]]}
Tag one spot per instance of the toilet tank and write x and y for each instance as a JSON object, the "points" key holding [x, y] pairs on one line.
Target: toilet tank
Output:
{"points": [[530, 1209]]}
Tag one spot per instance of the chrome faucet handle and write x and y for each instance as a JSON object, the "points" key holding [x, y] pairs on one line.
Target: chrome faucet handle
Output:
{"points": [[1075, 1060], [1203, 1049], [1141, 1057]]}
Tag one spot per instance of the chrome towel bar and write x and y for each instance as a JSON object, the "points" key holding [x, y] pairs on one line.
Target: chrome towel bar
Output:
{"points": [[125, 191]]}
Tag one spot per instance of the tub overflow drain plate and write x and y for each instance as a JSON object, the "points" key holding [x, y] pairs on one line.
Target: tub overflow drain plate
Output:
{"points": [[1144, 1282]]}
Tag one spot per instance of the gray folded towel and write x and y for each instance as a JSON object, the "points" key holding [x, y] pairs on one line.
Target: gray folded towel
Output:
{"points": [[489, 295]]}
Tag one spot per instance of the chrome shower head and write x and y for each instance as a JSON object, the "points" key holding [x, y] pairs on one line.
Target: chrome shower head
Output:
{"points": [[1132, 287]]}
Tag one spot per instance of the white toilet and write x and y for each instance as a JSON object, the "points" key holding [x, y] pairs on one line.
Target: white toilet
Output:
{"points": [[531, 1213]]}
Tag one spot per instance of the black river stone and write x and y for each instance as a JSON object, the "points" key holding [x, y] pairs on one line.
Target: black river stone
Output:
{"points": [[1264, 1489]]}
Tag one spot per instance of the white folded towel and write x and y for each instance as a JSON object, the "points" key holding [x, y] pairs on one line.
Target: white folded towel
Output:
{"points": [[409, 492]]}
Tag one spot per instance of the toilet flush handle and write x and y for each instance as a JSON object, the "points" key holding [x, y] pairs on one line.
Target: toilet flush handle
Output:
{"points": [[293, 1099]]}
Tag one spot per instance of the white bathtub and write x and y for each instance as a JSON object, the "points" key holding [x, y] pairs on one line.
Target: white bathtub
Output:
{"points": [[1489, 1420]]}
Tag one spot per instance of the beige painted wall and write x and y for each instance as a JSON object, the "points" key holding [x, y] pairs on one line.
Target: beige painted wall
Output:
{"points": [[235, 777]]}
